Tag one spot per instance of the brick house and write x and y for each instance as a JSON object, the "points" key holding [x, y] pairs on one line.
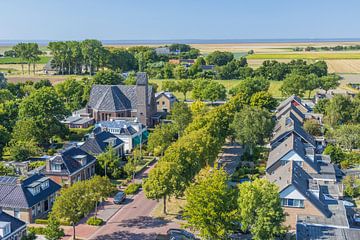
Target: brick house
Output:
{"points": [[11, 228], [165, 101], [27, 199], [69, 166], [123, 101]]}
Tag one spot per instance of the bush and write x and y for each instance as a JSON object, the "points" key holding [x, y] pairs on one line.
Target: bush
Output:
{"points": [[45, 221], [37, 230], [94, 221], [132, 188]]}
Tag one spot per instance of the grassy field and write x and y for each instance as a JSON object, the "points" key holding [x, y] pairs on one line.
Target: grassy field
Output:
{"points": [[274, 87], [312, 55], [10, 60]]}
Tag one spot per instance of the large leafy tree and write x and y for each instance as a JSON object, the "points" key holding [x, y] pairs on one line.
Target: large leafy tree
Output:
{"points": [[21, 150], [161, 138], [252, 126], [108, 163], [263, 99], [260, 209], [107, 77], [184, 86], [328, 82], [348, 136], [338, 110], [4, 138], [249, 87], [211, 206], [99, 189], [181, 116], [294, 84], [53, 230], [219, 58], [71, 92], [214, 91], [47, 110], [122, 60]]}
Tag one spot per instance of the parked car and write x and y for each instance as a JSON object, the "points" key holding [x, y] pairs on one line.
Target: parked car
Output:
{"points": [[179, 234], [119, 197]]}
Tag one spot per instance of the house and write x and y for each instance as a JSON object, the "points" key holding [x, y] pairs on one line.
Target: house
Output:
{"points": [[165, 101], [49, 69], [27, 199], [291, 108], [294, 100], [122, 101], [11, 228], [132, 133], [98, 142], [287, 125], [315, 232], [162, 51], [69, 166]]}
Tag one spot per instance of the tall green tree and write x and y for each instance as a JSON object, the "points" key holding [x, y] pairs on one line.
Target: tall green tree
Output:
{"points": [[181, 116], [108, 163], [260, 209], [71, 93], [294, 84], [252, 126], [107, 77], [184, 86], [219, 58], [53, 230], [161, 138], [338, 110], [4, 139], [329, 82], [211, 206]]}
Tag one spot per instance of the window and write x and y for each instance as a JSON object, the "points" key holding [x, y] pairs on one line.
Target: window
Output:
{"points": [[45, 184], [292, 202], [163, 103], [300, 163], [33, 211], [39, 208], [56, 167]]}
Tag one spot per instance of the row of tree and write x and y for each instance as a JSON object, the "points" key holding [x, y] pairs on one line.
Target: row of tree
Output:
{"points": [[29, 53]]}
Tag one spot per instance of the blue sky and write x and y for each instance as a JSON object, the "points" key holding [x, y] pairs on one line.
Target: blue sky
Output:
{"points": [[178, 19]]}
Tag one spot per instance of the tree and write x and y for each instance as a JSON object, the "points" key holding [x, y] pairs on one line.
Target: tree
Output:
{"points": [[42, 83], [211, 206], [335, 153], [53, 230], [352, 186], [5, 95], [121, 60], [21, 150], [338, 110], [329, 82], [251, 126], [348, 136], [219, 58], [107, 77], [184, 86], [180, 72], [25, 130], [198, 108], [263, 99], [6, 170], [93, 54], [293, 84], [273, 70], [321, 106], [181, 116], [214, 91], [249, 87], [161, 138], [4, 138], [312, 127], [260, 209], [47, 110], [71, 92], [20, 50], [312, 83], [169, 85], [108, 163], [73, 203], [161, 182], [100, 188]]}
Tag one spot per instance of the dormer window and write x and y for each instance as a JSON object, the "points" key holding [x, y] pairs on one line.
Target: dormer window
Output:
{"points": [[5, 229], [81, 159], [45, 184], [56, 167]]}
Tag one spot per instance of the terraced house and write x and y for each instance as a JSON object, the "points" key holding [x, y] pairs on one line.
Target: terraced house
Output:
{"points": [[11, 228], [27, 199], [309, 187]]}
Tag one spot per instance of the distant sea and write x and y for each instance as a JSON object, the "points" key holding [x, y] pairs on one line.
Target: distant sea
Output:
{"points": [[195, 41]]}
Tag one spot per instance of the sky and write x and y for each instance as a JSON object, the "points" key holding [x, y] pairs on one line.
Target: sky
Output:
{"points": [[178, 19]]}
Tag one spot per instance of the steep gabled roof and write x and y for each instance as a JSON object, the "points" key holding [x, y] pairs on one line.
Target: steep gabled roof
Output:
{"points": [[292, 143], [292, 174], [288, 124], [17, 195], [290, 99], [97, 143], [292, 108], [114, 98], [15, 223]]}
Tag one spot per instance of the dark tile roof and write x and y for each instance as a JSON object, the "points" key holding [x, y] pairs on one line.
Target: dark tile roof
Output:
{"points": [[17, 195], [141, 78], [115, 97], [97, 143], [15, 223], [292, 143], [124, 126], [293, 108], [293, 174], [69, 163], [287, 101], [290, 124], [312, 232]]}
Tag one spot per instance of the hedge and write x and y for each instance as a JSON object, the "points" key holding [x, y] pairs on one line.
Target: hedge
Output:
{"points": [[132, 188], [45, 221], [37, 230], [94, 221]]}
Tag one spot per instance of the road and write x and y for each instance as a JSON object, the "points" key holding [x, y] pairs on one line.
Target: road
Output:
{"points": [[133, 221]]}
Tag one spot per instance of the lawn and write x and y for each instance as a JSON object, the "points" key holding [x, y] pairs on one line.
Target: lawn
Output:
{"points": [[174, 208], [312, 55], [274, 87], [10, 60]]}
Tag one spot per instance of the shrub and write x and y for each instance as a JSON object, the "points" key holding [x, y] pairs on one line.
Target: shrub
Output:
{"points": [[45, 221], [37, 230], [132, 188], [94, 221]]}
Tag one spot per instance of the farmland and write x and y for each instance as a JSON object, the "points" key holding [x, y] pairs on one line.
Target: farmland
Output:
{"points": [[312, 55], [11, 60]]}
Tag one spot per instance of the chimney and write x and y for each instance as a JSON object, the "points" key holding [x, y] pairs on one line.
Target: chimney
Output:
{"points": [[142, 98]]}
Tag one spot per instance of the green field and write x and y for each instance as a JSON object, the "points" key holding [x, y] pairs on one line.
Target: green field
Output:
{"points": [[315, 55], [274, 87], [10, 60]]}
